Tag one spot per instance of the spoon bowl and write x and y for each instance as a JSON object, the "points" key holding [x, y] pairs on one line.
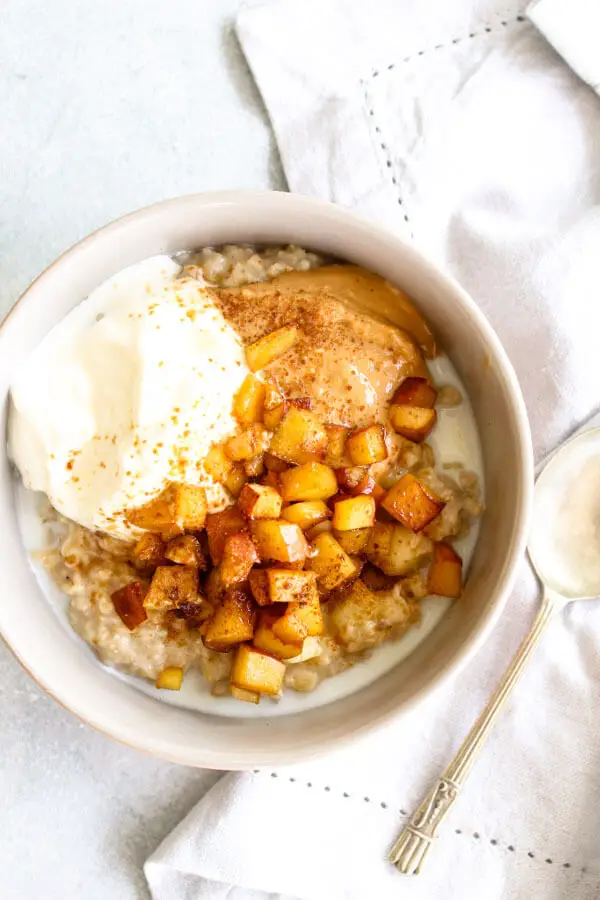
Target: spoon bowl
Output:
{"points": [[564, 538]]}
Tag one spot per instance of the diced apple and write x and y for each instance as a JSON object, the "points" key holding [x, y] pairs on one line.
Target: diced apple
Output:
{"points": [[214, 587], [279, 540], [378, 493], [256, 671], [272, 417], [335, 455], [411, 503], [232, 622], [265, 639], [445, 573], [258, 501], [259, 585], [254, 466], [356, 512], [306, 513], [367, 445], [412, 422], [288, 586], [353, 542], [170, 679], [301, 619], [415, 392], [236, 479], [217, 464], [274, 464], [331, 563], [271, 479], [218, 528], [249, 401], [185, 550], [181, 505], [128, 602], [355, 480], [396, 550], [271, 346], [239, 555], [172, 586], [310, 481], [149, 551], [251, 442], [299, 437], [246, 696]]}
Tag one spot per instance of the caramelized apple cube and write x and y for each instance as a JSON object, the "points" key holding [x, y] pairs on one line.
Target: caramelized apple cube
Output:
{"points": [[185, 550], [355, 480], [218, 528], [367, 445], [251, 442], [258, 501], [445, 573], [149, 551], [236, 479], [310, 481], [191, 507], [214, 587], [353, 542], [170, 679], [157, 515], [330, 562], [253, 670], [232, 622], [271, 346], [412, 422], [411, 503], [265, 639], [180, 505], [300, 620], [299, 437], [288, 586], [307, 513], [415, 392], [128, 602], [172, 586], [259, 585], [279, 540], [246, 696], [335, 455], [274, 464], [378, 493], [272, 417], [356, 512], [217, 464], [239, 555], [254, 466], [249, 401], [396, 550]]}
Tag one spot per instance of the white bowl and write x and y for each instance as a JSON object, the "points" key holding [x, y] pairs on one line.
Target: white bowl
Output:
{"points": [[61, 665]]}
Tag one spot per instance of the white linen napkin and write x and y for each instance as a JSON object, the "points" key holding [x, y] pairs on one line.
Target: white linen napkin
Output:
{"points": [[458, 124]]}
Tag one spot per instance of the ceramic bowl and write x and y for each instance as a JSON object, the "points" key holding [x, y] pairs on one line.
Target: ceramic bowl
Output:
{"points": [[71, 674]]}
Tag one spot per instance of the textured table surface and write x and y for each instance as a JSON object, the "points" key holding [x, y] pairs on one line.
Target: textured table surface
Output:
{"points": [[106, 107]]}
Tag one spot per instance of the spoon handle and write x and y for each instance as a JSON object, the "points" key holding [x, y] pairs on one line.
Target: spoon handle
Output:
{"points": [[411, 848]]}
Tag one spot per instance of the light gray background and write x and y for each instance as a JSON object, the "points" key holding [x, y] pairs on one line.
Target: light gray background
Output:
{"points": [[106, 106]]}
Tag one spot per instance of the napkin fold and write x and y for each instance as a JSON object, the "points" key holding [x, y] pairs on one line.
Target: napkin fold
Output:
{"points": [[458, 125]]}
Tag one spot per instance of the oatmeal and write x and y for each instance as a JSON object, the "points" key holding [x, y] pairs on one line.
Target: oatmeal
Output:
{"points": [[309, 527]]}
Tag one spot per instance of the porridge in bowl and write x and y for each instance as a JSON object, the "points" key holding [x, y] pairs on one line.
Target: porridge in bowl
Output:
{"points": [[247, 473]]}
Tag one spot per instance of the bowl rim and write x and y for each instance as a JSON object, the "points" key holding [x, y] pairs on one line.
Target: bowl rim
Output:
{"points": [[291, 203]]}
